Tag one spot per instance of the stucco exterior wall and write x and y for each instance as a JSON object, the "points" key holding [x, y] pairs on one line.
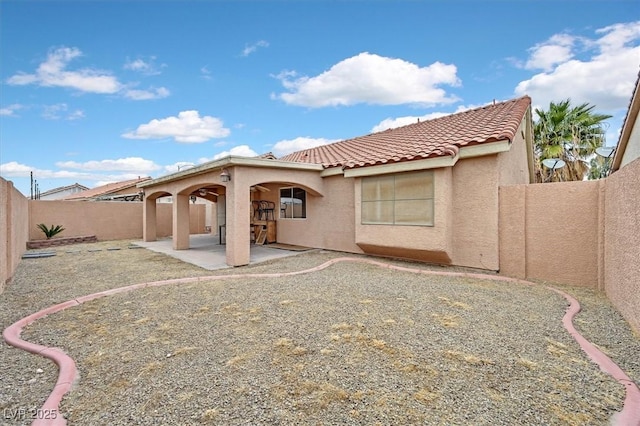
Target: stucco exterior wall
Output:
{"points": [[622, 241], [475, 213], [513, 165], [330, 219], [14, 229], [551, 232], [428, 243], [108, 220]]}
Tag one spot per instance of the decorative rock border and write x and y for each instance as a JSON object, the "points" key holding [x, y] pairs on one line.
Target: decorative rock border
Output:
{"points": [[60, 241], [68, 373]]}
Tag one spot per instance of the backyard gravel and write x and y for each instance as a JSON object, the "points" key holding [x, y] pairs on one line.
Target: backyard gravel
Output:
{"points": [[351, 344]]}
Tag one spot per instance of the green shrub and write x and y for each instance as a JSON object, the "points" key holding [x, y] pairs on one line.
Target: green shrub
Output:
{"points": [[50, 232]]}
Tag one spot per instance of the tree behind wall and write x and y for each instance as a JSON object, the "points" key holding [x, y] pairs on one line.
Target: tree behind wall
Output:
{"points": [[571, 134]]}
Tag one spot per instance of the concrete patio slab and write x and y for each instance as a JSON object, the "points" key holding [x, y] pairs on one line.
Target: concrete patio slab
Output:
{"points": [[206, 252]]}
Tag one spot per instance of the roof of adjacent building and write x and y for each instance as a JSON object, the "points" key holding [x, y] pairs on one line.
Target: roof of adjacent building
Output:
{"points": [[109, 188], [439, 137], [64, 188]]}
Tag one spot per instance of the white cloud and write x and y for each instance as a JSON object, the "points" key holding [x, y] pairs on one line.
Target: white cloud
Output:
{"points": [[53, 73], [143, 95], [61, 111], [187, 127], [145, 67], [288, 146], [129, 164], [392, 123], [239, 151], [372, 79], [75, 115], [179, 166], [604, 76], [18, 170], [556, 50], [10, 110], [249, 49], [15, 169], [205, 73]]}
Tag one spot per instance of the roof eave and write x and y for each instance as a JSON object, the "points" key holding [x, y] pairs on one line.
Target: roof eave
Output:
{"points": [[627, 127], [231, 161], [472, 151]]}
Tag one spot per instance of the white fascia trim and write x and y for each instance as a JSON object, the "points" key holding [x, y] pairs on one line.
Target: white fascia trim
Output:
{"points": [[230, 161], [485, 149], [431, 163], [333, 171], [273, 164], [403, 166]]}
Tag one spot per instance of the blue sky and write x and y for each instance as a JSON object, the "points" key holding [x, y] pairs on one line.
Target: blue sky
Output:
{"points": [[95, 91]]}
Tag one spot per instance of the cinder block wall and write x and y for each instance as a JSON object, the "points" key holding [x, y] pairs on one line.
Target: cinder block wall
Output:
{"points": [[577, 233], [14, 229], [107, 220], [550, 232], [622, 241]]}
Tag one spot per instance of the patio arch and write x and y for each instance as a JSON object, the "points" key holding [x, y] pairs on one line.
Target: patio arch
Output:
{"points": [[240, 175], [149, 214]]}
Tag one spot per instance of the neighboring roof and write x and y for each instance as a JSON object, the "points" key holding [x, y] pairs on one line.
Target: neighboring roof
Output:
{"points": [[268, 156], [109, 188], [64, 188], [439, 137], [627, 126]]}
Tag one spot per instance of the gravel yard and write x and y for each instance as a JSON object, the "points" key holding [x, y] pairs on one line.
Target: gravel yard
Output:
{"points": [[350, 344]]}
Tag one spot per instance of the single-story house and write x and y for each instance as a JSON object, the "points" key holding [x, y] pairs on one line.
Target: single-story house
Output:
{"points": [[426, 191], [62, 191], [125, 190]]}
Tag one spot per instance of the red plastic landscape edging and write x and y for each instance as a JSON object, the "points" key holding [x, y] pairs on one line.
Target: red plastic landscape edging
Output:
{"points": [[68, 373]]}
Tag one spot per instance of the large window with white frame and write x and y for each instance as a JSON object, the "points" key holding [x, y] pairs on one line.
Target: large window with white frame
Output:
{"points": [[398, 199], [293, 203]]}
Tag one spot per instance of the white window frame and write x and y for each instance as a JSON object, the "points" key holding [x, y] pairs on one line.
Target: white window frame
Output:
{"points": [[391, 200]]}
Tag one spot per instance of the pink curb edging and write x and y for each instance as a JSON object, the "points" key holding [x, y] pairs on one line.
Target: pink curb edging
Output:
{"points": [[68, 373]]}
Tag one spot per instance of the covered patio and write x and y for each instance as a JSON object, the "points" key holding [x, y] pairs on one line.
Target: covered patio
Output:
{"points": [[232, 184], [206, 251]]}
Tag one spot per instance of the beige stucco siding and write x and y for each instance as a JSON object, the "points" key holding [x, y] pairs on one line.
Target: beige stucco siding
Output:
{"points": [[330, 219], [622, 241], [475, 213], [513, 166]]}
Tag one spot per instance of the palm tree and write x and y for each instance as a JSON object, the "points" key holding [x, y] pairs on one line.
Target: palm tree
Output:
{"points": [[571, 134]]}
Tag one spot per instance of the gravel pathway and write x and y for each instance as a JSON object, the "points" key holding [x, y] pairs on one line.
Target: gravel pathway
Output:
{"points": [[350, 344]]}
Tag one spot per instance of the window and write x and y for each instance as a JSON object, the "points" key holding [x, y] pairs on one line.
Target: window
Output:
{"points": [[399, 199], [293, 203]]}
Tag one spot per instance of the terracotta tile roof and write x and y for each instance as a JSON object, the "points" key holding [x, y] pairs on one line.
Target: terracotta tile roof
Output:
{"points": [[109, 188], [439, 137]]}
